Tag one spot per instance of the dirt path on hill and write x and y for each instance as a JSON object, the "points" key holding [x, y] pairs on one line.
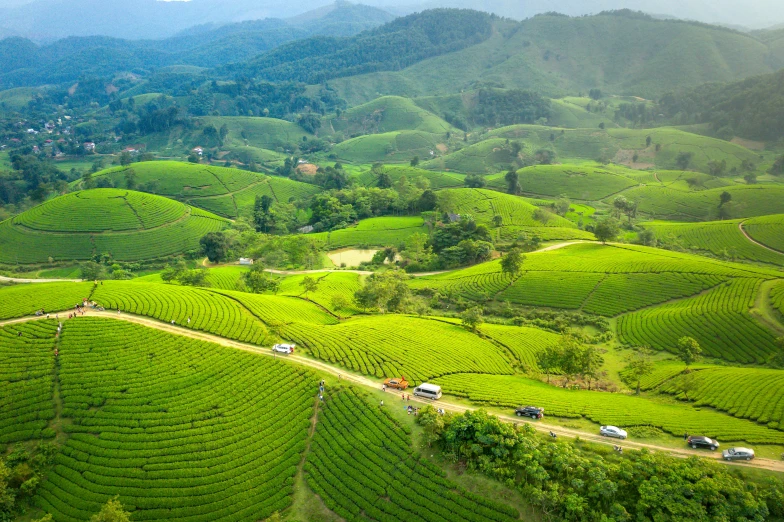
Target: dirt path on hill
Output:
{"points": [[740, 226], [769, 464]]}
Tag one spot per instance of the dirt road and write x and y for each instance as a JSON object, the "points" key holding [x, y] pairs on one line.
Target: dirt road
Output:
{"points": [[361, 380]]}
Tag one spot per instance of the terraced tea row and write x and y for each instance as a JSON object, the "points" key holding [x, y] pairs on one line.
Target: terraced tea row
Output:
{"points": [[101, 210], [767, 230], [161, 228], [362, 466], [606, 408], [334, 292], [26, 371], [381, 231], [22, 300], [524, 342], [208, 311], [384, 346], [719, 319], [723, 239], [747, 393], [174, 426]]}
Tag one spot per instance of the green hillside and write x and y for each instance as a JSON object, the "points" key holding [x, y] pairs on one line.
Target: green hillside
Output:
{"points": [[723, 239], [620, 145], [379, 232], [629, 54], [576, 182], [225, 191], [387, 114], [130, 226], [436, 180], [668, 294], [264, 133], [678, 205], [517, 215], [398, 146]]}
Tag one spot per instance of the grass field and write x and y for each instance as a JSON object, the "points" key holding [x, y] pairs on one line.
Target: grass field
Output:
{"points": [[380, 232], [362, 465], [225, 191], [131, 226], [173, 426], [605, 408], [722, 239]]}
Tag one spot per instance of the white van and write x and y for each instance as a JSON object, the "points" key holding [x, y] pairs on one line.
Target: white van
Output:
{"points": [[428, 391]]}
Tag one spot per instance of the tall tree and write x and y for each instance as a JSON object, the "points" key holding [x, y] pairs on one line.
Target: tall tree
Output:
{"points": [[512, 263], [606, 230], [638, 366], [472, 318], [688, 350], [512, 182], [112, 511], [309, 284]]}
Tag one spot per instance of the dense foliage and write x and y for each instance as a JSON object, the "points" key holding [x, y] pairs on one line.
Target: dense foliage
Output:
{"points": [[569, 484]]}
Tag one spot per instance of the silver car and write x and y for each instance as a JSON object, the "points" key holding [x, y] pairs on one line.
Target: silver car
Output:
{"points": [[738, 454], [612, 431]]}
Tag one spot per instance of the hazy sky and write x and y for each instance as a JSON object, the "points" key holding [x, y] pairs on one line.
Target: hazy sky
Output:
{"points": [[46, 19]]}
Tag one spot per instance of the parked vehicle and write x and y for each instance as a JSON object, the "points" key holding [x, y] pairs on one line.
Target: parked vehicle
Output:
{"points": [[399, 383], [284, 348], [738, 454], [530, 411], [428, 391], [612, 431], [703, 442]]}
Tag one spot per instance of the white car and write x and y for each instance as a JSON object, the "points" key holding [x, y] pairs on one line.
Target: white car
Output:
{"points": [[284, 348], [612, 431]]}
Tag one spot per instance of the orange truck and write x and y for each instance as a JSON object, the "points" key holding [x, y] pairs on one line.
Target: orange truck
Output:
{"points": [[398, 383]]}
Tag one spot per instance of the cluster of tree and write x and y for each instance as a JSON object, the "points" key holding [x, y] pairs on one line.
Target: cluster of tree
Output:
{"points": [[32, 176], [621, 205], [21, 472], [637, 113], [339, 208], [385, 291], [566, 483], [282, 252], [571, 358], [394, 46], [103, 267], [495, 107], [271, 217], [180, 273], [457, 243]]}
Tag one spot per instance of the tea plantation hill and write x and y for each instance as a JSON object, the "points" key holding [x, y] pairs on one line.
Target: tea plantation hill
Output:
{"points": [[131, 226], [491, 152], [225, 191]]}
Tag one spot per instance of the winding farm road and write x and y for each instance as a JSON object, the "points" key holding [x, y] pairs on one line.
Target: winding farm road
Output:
{"points": [[743, 231], [768, 464], [18, 280]]}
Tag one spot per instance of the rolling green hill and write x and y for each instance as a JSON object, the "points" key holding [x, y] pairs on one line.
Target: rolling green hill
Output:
{"points": [[380, 232], [398, 146], [517, 215], [387, 114], [577, 182], [131, 226], [723, 239], [659, 295], [679, 205], [225, 191], [629, 54], [437, 180], [264, 133]]}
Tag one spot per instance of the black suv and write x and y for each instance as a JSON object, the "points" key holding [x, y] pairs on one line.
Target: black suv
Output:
{"points": [[530, 411], [702, 442]]}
